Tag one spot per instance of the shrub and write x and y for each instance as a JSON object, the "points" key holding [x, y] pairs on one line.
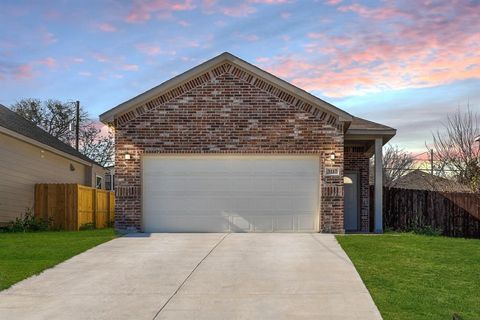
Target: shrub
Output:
{"points": [[28, 223], [428, 230]]}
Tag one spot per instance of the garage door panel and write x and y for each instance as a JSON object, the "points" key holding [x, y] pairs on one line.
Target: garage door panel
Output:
{"points": [[237, 194], [199, 223]]}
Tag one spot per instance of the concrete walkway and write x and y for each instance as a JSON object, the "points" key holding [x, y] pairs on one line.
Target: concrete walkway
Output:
{"points": [[198, 276]]}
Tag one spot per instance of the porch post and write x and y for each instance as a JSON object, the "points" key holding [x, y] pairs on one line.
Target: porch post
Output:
{"points": [[378, 186]]}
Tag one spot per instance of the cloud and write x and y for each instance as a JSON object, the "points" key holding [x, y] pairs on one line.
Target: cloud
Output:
{"points": [[129, 67], [23, 72], [247, 37], [47, 37], [85, 73], [184, 23], [143, 9], [106, 27], [333, 2], [102, 58], [240, 10], [153, 49], [48, 62], [428, 44]]}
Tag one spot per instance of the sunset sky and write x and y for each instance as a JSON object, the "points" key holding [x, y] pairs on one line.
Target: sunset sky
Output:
{"points": [[402, 63]]}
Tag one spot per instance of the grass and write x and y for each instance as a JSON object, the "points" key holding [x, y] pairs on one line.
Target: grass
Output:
{"points": [[25, 254], [418, 277]]}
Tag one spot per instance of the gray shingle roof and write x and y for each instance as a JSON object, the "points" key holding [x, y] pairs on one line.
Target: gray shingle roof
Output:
{"points": [[14, 122], [419, 180], [362, 124]]}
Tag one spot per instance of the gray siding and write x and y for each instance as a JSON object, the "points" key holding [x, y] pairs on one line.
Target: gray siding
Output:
{"points": [[22, 165]]}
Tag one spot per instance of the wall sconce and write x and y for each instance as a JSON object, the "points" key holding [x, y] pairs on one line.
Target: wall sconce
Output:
{"points": [[332, 156], [72, 167], [127, 156]]}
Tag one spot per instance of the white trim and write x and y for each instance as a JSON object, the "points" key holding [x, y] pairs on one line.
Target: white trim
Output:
{"points": [[101, 180], [43, 146], [109, 115], [378, 202]]}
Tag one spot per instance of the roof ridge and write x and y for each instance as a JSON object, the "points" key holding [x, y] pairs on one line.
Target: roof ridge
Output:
{"points": [[123, 112]]}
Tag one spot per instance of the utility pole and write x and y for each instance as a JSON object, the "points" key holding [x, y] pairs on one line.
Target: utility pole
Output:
{"points": [[431, 162], [77, 124]]}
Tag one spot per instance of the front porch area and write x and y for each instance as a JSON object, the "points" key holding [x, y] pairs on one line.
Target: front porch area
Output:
{"points": [[363, 141]]}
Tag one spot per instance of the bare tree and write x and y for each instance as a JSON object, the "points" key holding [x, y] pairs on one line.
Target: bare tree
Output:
{"points": [[396, 163], [57, 118], [96, 146], [456, 153]]}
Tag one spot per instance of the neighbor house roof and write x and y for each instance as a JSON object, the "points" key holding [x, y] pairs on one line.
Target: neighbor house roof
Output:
{"points": [[420, 180], [358, 124], [202, 71], [15, 123]]}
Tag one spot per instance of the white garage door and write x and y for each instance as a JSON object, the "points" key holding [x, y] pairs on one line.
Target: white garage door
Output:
{"points": [[230, 193]]}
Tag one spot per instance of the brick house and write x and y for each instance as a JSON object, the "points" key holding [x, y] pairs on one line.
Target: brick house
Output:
{"points": [[228, 147]]}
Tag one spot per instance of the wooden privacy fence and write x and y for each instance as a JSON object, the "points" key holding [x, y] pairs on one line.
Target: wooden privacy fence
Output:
{"points": [[455, 214], [71, 206]]}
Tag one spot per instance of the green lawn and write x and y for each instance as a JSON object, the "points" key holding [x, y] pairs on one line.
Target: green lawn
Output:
{"points": [[418, 277], [25, 254]]}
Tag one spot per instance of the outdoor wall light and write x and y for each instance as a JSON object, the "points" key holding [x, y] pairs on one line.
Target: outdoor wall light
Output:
{"points": [[332, 156], [127, 156]]}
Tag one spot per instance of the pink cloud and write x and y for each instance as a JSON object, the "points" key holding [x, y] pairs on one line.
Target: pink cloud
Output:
{"points": [[269, 1], [129, 67], [241, 10], [427, 46], [153, 49], [23, 72], [333, 2], [143, 9], [102, 58], [48, 62], [381, 13], [106, 27]]}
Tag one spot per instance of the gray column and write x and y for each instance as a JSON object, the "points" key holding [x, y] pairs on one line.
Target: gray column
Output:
{"points": [[378, 186]]}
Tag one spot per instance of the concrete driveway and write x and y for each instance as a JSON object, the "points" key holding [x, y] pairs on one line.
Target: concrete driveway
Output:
{"points": [[198, 276]]}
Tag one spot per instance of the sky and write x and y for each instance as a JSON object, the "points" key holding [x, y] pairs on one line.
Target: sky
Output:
{"points": [[406, 64]]}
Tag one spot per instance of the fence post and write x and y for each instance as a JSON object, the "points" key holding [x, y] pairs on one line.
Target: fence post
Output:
{"points": [[95, 208]]}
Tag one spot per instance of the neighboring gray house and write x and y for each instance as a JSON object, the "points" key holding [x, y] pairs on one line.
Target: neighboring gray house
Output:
{"points": [[29, 155]]}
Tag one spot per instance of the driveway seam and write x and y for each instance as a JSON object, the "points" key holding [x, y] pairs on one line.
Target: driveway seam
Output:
{"points": [[348, 261], [189, 275]]}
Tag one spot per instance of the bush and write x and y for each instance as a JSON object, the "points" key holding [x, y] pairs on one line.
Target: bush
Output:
{"points": [[428, 231], [28, 223]]}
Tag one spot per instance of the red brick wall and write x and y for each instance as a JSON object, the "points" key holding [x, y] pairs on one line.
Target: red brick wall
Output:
{"points": [[355, 160], [225, 115]]}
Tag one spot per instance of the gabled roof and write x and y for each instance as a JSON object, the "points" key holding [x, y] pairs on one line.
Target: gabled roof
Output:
{"points": [[361, 129], [212, 68], [419, 180], [16, 123]]}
